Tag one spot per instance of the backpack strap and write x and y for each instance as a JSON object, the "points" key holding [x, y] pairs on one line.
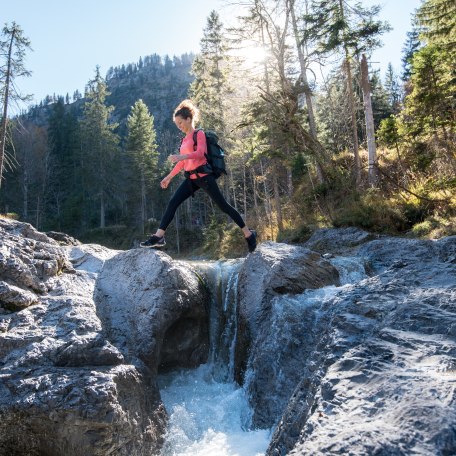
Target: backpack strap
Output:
{"points": [[202, 168], [195, 140]]}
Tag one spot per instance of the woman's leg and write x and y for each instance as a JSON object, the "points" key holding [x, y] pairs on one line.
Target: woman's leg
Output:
{"points": [[212, 189], [183, 192]]}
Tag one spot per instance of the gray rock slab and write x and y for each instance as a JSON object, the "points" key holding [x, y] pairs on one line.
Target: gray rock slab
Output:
{"points": [[270, 330], [154, 309], [65, 388], [370, 366]]}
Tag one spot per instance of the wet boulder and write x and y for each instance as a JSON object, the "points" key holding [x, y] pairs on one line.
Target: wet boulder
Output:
{"points": [[154, 309], [77, 364], [368, 364], [272, 336]]}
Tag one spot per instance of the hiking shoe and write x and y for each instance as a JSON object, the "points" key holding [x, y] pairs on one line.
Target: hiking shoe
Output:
{"points": [[154, 241], [251, 241]]}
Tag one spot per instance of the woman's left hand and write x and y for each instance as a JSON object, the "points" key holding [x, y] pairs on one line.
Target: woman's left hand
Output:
{"points": [[176, 158]]}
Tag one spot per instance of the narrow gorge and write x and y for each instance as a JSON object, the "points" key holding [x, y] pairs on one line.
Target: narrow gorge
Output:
{"points": [[342, 345]]}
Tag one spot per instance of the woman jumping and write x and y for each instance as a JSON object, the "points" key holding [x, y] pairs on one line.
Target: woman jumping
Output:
{"points": [[189, 159]]}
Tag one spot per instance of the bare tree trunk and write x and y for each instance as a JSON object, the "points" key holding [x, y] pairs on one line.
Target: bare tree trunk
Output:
{"points": [[58, 210], [281, 48], [289, 182], [267, 202], [370, 129], [244, 191], [306, 87], [102, 211], [25, 187], [353, 119], [143, 202], [303, 68], [37, 218], [352, 106], [255, 195], [177, 231], [234, 190], [278, 206], [41, 195]]}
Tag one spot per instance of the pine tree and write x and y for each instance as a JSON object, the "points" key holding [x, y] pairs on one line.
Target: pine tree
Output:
{"points": [[57, 180], [333, 110], [302, 47], [142, 148], [63, 196], [393, 88], [25, 186], [381, 99], [209, 87], [411, 45], [13, 46], [430, 107], [209, 90], [100, 149], [273, 115], [428, 120], [438, 19]]}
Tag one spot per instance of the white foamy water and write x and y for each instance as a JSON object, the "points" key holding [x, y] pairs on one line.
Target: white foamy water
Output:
{"points": [[208, 417], [209, 414], [351, 269]]}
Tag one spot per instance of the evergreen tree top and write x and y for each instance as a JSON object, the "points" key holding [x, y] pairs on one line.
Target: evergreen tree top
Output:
{"points": [[438, 21]]}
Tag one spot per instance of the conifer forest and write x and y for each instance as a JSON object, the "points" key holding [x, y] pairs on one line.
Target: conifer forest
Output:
{"points": [[305, 148]]}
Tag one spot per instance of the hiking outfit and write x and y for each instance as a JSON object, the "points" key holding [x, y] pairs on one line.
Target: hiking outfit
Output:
{"points": [[193, 182]]}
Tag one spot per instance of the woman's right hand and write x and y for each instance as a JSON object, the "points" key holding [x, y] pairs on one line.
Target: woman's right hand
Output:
{"points": [[165, 182], [176, 158]]}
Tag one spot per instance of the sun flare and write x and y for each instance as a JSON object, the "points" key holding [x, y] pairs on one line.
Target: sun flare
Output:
{"points": [[252, 55]]}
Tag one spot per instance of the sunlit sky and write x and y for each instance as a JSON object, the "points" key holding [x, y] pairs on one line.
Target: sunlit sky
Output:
{"points": [[69, 39]]}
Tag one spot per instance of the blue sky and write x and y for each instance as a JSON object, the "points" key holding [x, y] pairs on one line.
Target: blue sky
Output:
{"points": [[69, 39]]}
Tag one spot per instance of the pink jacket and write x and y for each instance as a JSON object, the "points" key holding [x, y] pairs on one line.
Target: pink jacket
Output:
{"points": [[196, 157]]}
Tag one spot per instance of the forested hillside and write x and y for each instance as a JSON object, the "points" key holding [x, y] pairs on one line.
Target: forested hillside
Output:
{"points": [[65, 180], [350, 148]]}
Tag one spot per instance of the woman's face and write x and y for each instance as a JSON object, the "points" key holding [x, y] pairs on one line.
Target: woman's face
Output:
{"points": [[184, 125]]}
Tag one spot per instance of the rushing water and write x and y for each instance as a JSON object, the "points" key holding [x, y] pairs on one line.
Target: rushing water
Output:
{"points": [[208, 417], [209, 414], [351, 269]]}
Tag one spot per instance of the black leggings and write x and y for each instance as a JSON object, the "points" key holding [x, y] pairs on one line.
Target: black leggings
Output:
{"points": [[190, 186]]}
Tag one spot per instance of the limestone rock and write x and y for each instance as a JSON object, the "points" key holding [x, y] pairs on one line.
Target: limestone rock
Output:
{"points": [[277, 269], [371, 362], [29, 259], [65, 387], [90, 257], [154, 309], [268, 281], [345, 345], [15, 298], [62, 238], [338, 240]]}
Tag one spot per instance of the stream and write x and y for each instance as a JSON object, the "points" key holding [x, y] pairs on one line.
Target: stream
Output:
{"points": [[209, 413]]}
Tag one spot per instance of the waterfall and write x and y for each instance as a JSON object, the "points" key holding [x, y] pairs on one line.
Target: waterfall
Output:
{"points": [[209, 413], [351, 269]]}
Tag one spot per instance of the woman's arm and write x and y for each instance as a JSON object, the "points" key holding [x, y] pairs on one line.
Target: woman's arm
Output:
{"points": [[165, 181], [199, 153], [201, 146], [179, 166]]}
